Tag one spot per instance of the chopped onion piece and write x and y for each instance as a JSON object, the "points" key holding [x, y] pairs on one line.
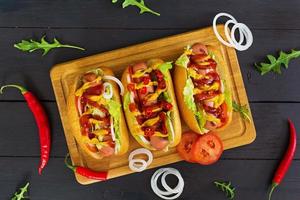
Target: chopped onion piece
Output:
{"points": [[108, 77], [110, 93], [168, 192], [209, 103], [96, 111]]}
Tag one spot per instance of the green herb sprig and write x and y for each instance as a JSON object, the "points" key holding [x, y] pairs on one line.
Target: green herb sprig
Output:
{"points": [[32, 45], [242, 109], [138, 3], [227, 188], [21, 195], [275, 64]]}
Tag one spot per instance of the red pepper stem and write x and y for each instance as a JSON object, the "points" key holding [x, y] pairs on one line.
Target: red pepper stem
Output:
{"points": [[69, 165], [273, 186], [22, 89]]}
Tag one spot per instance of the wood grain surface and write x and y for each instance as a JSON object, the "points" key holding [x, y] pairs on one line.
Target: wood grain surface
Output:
{"points": [[65, 75], [100, 26]]}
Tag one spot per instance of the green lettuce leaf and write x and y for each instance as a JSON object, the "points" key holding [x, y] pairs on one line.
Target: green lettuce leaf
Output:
{"points": [[188, 95], [165, 67], [201, 120], [117, 134], [183, 61], [169, 121], [189, 101], [114, 109], [167, 97], [126, 101], [228, 97]]}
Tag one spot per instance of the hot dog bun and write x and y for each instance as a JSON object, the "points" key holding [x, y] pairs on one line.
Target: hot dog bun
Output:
{"points": [[224, 76], [133, 125], [75, 119], [181, 76]]}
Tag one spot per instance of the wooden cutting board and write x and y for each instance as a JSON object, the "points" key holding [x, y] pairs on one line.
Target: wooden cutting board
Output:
{"points": [[238, 133]]}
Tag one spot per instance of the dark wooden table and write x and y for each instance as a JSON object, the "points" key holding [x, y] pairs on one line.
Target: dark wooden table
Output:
{"points": [[99, 26]]}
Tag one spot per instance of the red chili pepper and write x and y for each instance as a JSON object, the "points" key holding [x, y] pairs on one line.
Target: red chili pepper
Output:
{"points": [[287, 159], [41, 121], [86, 172]]}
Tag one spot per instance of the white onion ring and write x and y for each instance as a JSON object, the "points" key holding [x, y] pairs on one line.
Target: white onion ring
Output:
{"points": [[133, 161], [247, 33], [227, 34], [168, 191], [128, 78], [164, 183], [222, 87], [112, 130], [131, 96], [110, 94], [137, 168], [244, 32], [142, 151], [216, 30], [144, 139], [108, 77], [79, 105]]}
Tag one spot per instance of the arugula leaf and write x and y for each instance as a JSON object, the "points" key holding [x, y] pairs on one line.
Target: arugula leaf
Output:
{"points": [[243, 110], [226, 187], [20, 195], [275, 64], [32, 45], [138, 3]]}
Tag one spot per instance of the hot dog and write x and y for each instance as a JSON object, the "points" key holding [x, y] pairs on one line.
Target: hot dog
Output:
{"points": [[150, 106], [202, 89], [96, 114]]}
